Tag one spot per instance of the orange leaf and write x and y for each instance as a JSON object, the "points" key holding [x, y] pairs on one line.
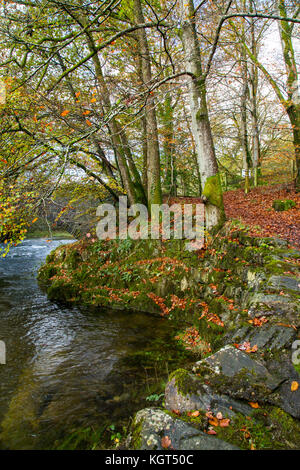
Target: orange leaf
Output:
{"points": [[213, 421], [165, 442], [254, 405], [294, 386], [193, 414], [88, 122], [224, 423], [212, 432], [65, 112]]}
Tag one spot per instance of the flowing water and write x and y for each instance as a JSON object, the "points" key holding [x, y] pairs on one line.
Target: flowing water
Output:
{"points": [[68, 367]]}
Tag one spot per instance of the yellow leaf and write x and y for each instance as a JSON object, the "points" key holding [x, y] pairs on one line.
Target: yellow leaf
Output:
{"points": [[294, 386]]}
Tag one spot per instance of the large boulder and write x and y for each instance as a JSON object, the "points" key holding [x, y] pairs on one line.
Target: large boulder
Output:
{"points": [[227, 382], [154, 429], [186, 392]]}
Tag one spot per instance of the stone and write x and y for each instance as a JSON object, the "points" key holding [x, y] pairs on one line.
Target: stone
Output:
{"points": [[284, 283], [201, 397], [230, 361], [277, 306], [152, 424], [271, 337], [290, 401]]}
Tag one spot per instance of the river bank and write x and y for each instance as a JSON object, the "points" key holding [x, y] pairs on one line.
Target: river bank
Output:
{"points": [[237, 300]]}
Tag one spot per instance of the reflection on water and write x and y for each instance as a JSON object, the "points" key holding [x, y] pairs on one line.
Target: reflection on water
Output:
{"points": [[66, 367]]}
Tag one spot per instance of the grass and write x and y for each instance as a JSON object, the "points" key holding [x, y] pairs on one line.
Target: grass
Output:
{"points": [[56, 234]]}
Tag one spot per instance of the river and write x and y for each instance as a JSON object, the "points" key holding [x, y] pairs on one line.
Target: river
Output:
{"points": [[69, 368]]}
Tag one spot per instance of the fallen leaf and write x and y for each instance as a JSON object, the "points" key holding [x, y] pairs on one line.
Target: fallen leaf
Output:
{"points": [[224, 423], [254, 405], [294, 386], [213, 421], [166, 442]]}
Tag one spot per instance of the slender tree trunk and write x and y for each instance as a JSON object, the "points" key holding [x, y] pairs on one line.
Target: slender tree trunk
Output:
{"points": [[244, 123], [208, 167], [153, 156], [293, 103], [256, 152], [194, 153], [143, 124], [294, 115], [167, 118]]}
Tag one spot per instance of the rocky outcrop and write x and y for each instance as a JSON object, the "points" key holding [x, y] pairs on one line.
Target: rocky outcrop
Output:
{"points": [[242, 297], [156, 430], [212, 406]]}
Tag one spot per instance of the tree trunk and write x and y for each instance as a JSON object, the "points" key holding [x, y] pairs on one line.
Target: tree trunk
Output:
{"points": [[256, 152], [293, 103], [167, 118], [153, 156], [208, 167], [294, 115], [244, 123]]}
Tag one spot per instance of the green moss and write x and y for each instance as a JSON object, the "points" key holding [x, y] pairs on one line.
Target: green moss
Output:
{"points": [[297, 368], [246, 433], [277, 267], [21, 421], [136, 435], [283, 205], [55, 235], [72, 259], [47, 271], [213, 191], [186, 383], [198, 422]]}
